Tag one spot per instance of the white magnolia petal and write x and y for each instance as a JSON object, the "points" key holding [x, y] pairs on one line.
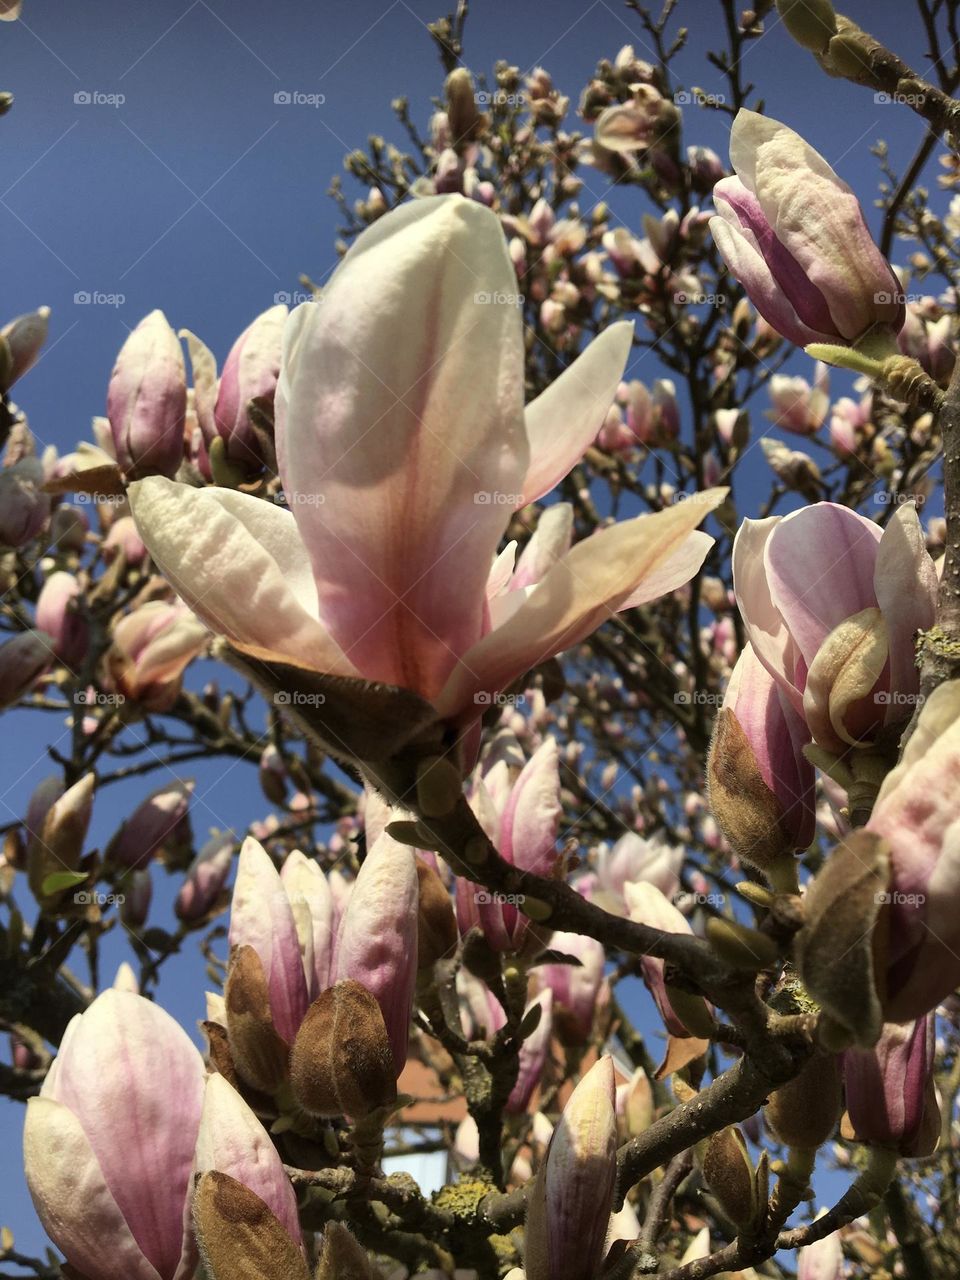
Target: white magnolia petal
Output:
{"points": [[239, 564], [579, 593], [564, 420]]}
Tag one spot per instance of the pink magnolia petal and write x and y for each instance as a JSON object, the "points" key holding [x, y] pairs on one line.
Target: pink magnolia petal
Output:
{"points": [[818, 220], [72, 1198], [905, 583], [564, 420], [740, 252], [550, 542], [134, 1123], [580, 592], [261, 917], [674, 572], [400, 406], [240, 565], [233, 1141], [378, 939], [819, 565], [531, 818]]}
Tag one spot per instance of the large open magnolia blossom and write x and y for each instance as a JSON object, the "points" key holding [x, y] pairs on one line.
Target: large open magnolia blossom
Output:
{"points": [[404, 448]]}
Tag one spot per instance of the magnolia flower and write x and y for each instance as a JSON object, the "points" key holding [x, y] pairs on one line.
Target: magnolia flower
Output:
{"points": [[24, 507], [916, 813], [761, 784], [24, 336], [250, 372], [403, 449], [147, 399], [796, 405], [151, 648], [648, 906], [831, 605], [105, 1123], [22, 661], [244, 1206], [205, 877], [162, 821], [822, 1260], [889, 1089], [635, 857], [575, 987], [521, 815], [569, 1210], [794, 235], [59, 616]]}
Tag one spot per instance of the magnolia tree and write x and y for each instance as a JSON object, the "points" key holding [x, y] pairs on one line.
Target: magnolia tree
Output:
{"points": [[544, 694]]}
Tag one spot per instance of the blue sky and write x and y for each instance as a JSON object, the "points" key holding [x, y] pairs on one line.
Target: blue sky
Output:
{"points": [[147, 164]]}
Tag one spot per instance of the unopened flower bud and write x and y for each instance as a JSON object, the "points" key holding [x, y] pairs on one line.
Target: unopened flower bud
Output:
{"points": [[238, 1234], [22, 660], [730, 1175], [24, 507], [59, 616], [159, 822], [465, 121], [342, 1063], [259, 1053], [890, 1093], [205, 878], [810, 22], [437, 934], [137, 890], [24, 337], [147, 400], [59, 844], [804, 1112], [249, 373], [342, 1258], [570, 1205]]}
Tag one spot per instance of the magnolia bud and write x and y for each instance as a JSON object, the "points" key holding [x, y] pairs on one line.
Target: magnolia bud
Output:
{"points": [[342, 1063], [24, 337], [137, 891], [161, 821], [59, 617], [259, 1053], [437, 935], [249, 373], [24, 507], [810, 22], [728, 1171], [22, 660], [205, 878], [239, 1236], [342, 1258], [804, 1112], [465, 120], [147, 400], [570, 1205], [59, 846]]}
